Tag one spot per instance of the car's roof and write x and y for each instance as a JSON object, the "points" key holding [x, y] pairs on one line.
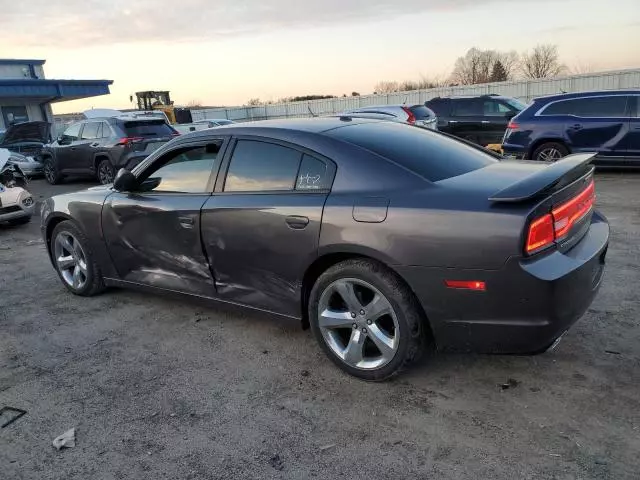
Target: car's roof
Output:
{"points": [[466, 97], [594, 93], [309, 125]]}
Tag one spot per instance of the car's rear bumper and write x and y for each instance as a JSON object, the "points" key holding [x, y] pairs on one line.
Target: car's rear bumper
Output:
{"points": [[527, 305], [514, 151]]}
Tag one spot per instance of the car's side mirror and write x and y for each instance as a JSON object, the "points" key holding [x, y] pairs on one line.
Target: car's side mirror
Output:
{"points": [[61, 140], [125, 181]]}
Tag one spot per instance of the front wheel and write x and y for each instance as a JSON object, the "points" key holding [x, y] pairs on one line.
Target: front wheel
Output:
{"points": [[51, 173], [550, 152], [74, 260], [366, 320]]}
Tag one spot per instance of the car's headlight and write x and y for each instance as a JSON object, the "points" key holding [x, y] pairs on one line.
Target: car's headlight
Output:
{"points": [[26, 199]]}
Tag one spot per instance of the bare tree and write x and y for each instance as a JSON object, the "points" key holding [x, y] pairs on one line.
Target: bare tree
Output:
{"points": [[253, 102], [387, 87], [542, 62], [580, 68], [510, 61], [194, 104]]}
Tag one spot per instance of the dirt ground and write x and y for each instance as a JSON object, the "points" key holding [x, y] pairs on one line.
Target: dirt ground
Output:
{"points": [[165, 389]]}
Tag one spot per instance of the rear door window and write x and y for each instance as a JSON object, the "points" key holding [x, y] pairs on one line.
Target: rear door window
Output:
{"points": [[92, 130], [493, 108], [155, 128], [260, 166], [467, 107], [429, 154]]}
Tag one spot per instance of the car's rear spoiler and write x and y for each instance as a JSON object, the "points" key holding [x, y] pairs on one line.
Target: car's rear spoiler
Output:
{"points": [[566, 169]]}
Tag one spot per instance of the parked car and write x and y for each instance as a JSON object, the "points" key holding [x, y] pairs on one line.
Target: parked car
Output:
{"points": [[215, 122], [26, 141], [607, 123], [376, 233], [479, 119], [100, 146], [16, 203], [183, 128], [417, 115]]}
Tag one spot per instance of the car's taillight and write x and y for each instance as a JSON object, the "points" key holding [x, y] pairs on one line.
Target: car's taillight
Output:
{"points": [[513, 126], [545, 230], [129, 140], [412, 117]]}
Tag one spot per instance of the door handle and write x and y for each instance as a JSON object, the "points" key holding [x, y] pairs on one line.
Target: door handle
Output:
{"points": [[297, 222], [576, 126], [94, 144], [186, 222], [486, 121], [453, 121]]}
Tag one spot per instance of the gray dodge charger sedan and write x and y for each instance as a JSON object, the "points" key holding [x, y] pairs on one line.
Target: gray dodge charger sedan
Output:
{"points": [[383, 237]]}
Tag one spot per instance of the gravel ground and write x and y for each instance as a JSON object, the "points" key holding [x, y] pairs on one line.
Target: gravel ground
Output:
{"points": [[166, 389]]}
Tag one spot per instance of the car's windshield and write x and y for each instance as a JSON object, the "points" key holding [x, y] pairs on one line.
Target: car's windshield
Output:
{"points": [[516, 104]]}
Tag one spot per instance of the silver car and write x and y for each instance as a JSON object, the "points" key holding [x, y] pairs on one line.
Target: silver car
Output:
{"points": [[418, 115], [214, 122]]}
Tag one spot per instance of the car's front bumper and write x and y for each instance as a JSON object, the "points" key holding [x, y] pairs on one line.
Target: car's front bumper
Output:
{"points": [[528, 303], [30, 169]]}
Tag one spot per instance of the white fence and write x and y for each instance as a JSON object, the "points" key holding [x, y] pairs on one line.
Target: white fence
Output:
{"points": [[524, 90]]}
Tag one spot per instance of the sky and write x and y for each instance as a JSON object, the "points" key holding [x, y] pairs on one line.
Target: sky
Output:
{"points": [[225, 52]]}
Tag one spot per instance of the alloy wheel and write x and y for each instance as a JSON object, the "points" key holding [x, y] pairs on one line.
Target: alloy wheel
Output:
{"points": [[49, 174], [358, 323], [549, 155], [70, 260], [105, 173]]}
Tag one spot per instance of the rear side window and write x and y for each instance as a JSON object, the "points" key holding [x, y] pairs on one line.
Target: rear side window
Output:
{"points": [[156, 128], [314, 174], [468, 107], [429, 154], [259, 166], [613, 106], [421, 112]]}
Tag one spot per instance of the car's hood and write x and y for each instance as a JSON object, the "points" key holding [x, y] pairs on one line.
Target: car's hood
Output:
{"points": [[27, 132]]}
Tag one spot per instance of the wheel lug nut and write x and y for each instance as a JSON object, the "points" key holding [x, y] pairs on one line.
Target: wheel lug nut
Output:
{"points": [[355, 325], [364, 330], [353, 314], [369, 322], [361, 312]]}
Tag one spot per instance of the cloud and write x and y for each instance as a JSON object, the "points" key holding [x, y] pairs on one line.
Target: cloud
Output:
{"points": [[39, 23]]}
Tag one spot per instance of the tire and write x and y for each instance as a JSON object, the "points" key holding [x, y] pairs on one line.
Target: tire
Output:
{"points": [[351, 342], [20, 221], [550, 152], [81, 258], [51, 173], [105, 172]]}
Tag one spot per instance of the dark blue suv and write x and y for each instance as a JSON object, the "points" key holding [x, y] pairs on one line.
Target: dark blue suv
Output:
{"points": [[607, 123]]}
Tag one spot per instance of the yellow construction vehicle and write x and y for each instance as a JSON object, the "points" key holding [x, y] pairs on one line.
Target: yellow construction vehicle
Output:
{"points": [[157, 100]]}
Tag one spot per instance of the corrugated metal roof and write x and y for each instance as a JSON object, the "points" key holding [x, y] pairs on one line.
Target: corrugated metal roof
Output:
{"points": [[53, 90], [20, 61]]}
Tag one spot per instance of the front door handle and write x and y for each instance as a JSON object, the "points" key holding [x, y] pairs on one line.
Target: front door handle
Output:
{"points": [[94, 144], [186, 222], [297, 222], [453, 121], [577, 126], [486, 121]]}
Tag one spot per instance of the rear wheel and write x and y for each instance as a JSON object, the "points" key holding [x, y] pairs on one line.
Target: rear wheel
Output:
{"points": [[550, 152], [106, 173], [51, 173], [365, 319], [74, 260]]}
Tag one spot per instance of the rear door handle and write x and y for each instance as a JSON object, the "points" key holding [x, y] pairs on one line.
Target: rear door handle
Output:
{"points": [[486, 121], [186, 222], [576, 126], [297, 222], [94, 144]]}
